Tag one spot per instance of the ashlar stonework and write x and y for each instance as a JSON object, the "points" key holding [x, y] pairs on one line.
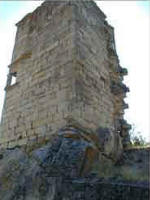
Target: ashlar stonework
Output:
{"points": [[67, 72]]}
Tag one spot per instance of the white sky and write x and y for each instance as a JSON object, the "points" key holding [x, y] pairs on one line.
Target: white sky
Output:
{"points": [[131, 20]]}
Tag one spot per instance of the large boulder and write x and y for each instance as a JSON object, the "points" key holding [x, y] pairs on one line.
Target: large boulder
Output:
{"points": [[39, 173]]}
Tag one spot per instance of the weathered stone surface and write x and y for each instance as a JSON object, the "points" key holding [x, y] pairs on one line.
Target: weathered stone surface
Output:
{"points": [[65, 62]]}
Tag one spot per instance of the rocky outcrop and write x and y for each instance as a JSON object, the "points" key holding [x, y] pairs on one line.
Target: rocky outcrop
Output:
{"points": [[63, 169], [29, 173]]}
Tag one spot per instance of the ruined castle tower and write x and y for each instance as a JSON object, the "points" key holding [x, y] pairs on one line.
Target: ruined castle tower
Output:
{"points": [[64, 67]]}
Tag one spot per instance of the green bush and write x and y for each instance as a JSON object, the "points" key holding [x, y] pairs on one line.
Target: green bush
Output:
{"points": [[136, 138]]}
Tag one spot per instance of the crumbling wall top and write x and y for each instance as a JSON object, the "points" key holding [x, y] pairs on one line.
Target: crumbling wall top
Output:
{"points": [[53, 3]]}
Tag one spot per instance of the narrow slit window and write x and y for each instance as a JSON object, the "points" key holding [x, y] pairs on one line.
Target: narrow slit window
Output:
{"points": [[14, 77], [13, 81]]}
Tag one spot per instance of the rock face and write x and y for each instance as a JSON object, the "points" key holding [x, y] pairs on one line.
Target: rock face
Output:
{"points": [[41, 173], [66, 66], [62, 170]]}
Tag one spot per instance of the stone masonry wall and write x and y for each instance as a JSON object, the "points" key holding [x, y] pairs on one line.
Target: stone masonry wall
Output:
{"points": [[66, 66]]}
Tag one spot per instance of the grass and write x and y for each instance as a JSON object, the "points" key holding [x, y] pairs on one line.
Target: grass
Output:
{"points": [[107, 169]]}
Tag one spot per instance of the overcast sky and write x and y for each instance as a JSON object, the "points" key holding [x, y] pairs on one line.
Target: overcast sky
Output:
{"points": [[131, 20]]}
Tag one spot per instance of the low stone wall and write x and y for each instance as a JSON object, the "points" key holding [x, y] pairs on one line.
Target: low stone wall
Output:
{"points": [[82, 189]]}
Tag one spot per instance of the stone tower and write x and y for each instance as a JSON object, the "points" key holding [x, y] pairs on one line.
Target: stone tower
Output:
{"points": [[65, 68]]}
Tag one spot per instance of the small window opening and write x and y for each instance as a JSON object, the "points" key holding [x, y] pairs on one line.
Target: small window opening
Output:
{"points": [[13, 79]]}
